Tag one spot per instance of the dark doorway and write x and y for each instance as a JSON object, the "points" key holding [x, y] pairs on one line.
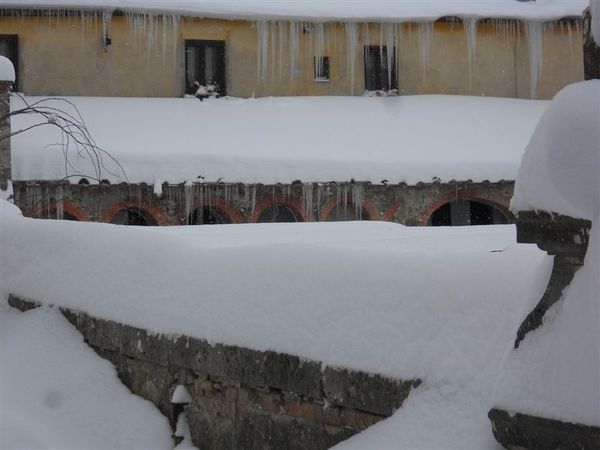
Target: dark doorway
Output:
{"points": [[377, 71], [207, 215], [133, 216], [277, 213], [204, 63], [467, 212]]}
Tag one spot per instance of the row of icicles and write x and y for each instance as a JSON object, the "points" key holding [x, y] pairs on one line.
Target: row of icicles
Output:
{"points": [[299, 38]]}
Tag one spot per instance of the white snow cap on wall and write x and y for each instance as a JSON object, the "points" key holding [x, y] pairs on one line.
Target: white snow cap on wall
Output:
{"points": [[560, 171], [7, 70], [385, 10]]}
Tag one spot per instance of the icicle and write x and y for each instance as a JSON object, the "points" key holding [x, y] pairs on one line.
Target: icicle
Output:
{"points": [[253, 199], [425, 35], [281, 33], [59, 202], [470, 27], [294, 38], [158, 188], [351, 48], [307, 200], [106, 21], [188, 190], [535, 43], [390, 43], [262, 53], [319, 198], [318, 45]]}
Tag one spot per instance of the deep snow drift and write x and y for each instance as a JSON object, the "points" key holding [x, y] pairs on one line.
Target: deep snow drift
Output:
{"points": [[56, 392], [398, 10], [312, 139], [380, 297], [555, 372]]}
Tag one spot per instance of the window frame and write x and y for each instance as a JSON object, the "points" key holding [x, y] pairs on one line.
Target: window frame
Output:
{"points": [[325, 66], [203, 43], [382, 50]]}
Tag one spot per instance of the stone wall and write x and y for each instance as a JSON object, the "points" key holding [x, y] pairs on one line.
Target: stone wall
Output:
{"points": [[566, 239], [242, 398], [401, 203]]}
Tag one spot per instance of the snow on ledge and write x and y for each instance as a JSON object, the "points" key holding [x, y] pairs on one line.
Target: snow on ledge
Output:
{"points": [[328, 10], [7, 70], [408, 139]]}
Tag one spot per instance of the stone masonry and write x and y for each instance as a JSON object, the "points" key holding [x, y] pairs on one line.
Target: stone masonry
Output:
{"points": [[241, 203], [242, 398]]}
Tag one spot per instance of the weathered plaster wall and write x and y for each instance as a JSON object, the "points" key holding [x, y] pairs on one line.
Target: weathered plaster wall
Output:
{"points": [[66, 56], [242, 398], [409, 205]]}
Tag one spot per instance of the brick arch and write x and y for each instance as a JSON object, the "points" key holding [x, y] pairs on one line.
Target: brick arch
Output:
{"points": [[470, 196], [68, 207], [290, 202], [371, 210], [148, 209], [218, 203]]}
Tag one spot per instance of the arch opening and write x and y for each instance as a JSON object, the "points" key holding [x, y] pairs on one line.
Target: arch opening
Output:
{"points": [[467, 212], [133, 216], [208, 215], [278, 212]]}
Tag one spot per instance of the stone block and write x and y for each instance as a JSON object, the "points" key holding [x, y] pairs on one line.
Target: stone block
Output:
{"points": [[536, 433], [372, 393]]}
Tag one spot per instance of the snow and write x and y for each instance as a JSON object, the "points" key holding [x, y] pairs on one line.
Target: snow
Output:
{"points": [[356, 10], [555, 372], [560, 171], [269, 140], [7, 70], [406, 302], [181, 395], [56, 392]]}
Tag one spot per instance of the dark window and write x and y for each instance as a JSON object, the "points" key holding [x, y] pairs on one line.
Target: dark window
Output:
{"points": [[204, 63], [466, 212], [9, 47], [207, 215], [377, 71], [133, 216], [322, 68], [347, 212], [277, 213]]}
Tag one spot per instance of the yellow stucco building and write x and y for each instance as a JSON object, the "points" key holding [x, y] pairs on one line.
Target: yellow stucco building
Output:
{"points": [[136, 53]]}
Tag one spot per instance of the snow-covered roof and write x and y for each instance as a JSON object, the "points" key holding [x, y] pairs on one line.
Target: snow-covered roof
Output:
{"points": [[408, 139], [561, 166], [326, 10]]}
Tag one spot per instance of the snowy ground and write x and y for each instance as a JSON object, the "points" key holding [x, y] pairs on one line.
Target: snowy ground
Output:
{"points": [[439, 304], [269, 140], [56, 393]]}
